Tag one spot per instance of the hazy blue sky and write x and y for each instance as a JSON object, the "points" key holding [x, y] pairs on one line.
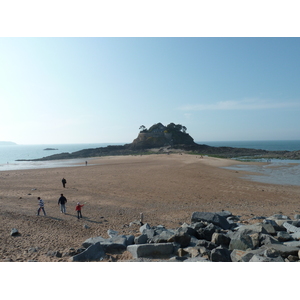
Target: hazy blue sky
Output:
{"points": [[101, 90]]}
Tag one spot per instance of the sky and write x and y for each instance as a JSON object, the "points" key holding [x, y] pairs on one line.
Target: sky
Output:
{"points": [[102, 89]]}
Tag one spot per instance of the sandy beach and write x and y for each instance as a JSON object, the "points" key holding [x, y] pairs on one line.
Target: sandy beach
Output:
{"points": [[165, 188]]}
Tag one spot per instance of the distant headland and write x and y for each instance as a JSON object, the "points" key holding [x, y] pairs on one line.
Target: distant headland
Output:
{"points": [[3, 143], [172, 138]]}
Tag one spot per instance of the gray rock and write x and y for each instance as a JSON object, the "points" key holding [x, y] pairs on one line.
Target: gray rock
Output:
{"points": [[206, 244], [188, 230], [112, 233], [149, 233], [241, 241], [220, 254], [291, 228], [220, 239], [207, 232], [292, 244], [259, 258], [224, 213], [283, 250], [115, 244], [181, 238], [163, 237], [92, 241], [240, 255], [295, 235], [210, 218], [145, 226], [94, 252], [14, 232], [266, 239], [151, 250], [283, 236], [142, 239]]}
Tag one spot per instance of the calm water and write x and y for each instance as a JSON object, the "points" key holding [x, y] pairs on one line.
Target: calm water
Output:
{"points": [[9, 155], [264, 145]]}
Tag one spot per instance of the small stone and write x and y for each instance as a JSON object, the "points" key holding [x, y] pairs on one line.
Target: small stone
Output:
{"points": [[14, 232]]}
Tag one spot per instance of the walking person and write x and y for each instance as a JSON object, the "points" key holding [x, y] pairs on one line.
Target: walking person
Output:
{"points": [[62, 202], [64, 181], [78, 209], [41, 207]]}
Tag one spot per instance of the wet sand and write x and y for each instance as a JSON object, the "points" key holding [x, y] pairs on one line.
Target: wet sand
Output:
{"points": [[165, 188]]}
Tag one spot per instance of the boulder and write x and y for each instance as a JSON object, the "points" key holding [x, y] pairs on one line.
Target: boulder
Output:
{"points": [[181, 238], [241, 241], [220, 254], [220, 239], [151, 250], [207, 232], [290, 227], [145, 226], [142, 239], [283, 236], [163, 237], [210, 217], [92, 253]]}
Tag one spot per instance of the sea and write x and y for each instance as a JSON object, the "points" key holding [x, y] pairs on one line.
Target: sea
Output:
{"points": [[9, 154], [286, 172]]}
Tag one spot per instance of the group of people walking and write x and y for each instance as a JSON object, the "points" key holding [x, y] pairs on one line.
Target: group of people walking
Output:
{"points": [[62, 202]]}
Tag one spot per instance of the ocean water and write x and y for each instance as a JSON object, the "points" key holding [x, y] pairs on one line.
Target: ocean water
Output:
{"points": [[285, 172], [280, 145], [10, 153]]}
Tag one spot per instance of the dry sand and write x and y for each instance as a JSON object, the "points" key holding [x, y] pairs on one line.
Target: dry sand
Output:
{"points": [[166, 188]]}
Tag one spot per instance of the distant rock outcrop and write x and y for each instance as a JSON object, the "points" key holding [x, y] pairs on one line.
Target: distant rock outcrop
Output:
{"points": [[159, 135]]}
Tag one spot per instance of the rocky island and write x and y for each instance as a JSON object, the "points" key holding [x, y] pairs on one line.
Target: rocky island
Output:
{"points": [[170, 139]]}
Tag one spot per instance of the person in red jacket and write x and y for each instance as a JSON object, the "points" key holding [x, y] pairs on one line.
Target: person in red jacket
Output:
{"points": [[78, 209]]}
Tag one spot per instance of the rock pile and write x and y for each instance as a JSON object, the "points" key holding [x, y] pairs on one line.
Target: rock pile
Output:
{"points": [[211, 237]]}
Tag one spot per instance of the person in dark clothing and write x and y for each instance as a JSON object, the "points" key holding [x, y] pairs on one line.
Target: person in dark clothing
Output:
{"points": [[64, 181], [62, 202]]}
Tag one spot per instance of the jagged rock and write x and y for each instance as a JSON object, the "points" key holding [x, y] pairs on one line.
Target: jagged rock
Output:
{"points": [[220, 239], [151, 250], [206, 244], [116, 243], [220, 254], [149, 233], [258, 258], [292, 258], [240, 240], [210, 218], [291, 228], [266, 239], [163, 237], [224, 213], [283, 236], [237, 255], [182, 238], [188, 230], [143, 227], [92, 253], [192, 251], [142, 239], [284, 251], [207, 232]]}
